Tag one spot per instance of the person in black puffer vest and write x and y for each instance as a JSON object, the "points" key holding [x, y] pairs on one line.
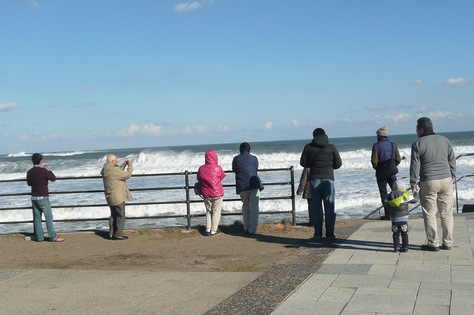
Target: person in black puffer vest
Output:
{"points": [[322, 158]]}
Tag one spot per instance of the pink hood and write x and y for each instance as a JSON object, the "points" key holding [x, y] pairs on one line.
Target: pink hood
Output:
{"points": [[211, 175]]}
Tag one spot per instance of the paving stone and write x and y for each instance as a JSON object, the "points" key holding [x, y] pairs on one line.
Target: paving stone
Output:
{"points": [[344, 269]]}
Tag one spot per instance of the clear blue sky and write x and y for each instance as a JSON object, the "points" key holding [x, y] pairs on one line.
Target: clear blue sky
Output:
{"points": [[90, 74]]}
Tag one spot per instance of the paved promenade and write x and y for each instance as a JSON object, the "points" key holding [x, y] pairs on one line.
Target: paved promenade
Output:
{"points": [[365, 276], [361, 276], [116, 292]]}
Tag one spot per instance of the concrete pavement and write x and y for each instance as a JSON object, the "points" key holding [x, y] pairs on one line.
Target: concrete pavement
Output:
{"points": [[361, 276], [116, 292], [364, 276]]}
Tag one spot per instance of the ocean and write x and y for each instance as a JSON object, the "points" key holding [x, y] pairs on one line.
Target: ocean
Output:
{"points": [[356, 189]]}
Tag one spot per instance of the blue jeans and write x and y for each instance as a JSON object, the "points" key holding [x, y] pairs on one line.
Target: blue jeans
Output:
{"points": [[40, 207], [323, 192]]}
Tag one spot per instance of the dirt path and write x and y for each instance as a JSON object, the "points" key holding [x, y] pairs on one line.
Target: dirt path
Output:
{"points": [[170, 249]]}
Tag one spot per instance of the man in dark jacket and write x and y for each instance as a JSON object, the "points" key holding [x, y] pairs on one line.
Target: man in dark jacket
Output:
{"points": [[382, 152], [248, 186], [322, 158], [38, 178]]}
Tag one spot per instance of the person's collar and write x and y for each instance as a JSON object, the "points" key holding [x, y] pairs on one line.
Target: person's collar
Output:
{"points": [[427, 134]]}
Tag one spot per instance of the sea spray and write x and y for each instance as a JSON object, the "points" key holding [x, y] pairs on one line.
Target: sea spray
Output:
{"points": [[356, 188]]}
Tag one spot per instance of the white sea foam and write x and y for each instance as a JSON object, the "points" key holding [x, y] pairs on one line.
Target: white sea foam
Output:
{"points": [[356, 188], [20, 154]]}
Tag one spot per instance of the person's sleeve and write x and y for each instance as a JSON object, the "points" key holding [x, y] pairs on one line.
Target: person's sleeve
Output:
{"points": [[452, 161], [303, 158], [414, 165], [120, 174], [375, 156], [233, 164], [337, 159], [198, 175], [222, 175], [50, 176], [398, 158], [28, 179]]}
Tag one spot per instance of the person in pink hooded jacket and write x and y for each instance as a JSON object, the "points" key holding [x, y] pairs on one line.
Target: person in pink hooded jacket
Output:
{"points": [[210, 175]]}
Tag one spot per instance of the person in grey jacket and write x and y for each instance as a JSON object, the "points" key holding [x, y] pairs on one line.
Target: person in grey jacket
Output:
{"points": [[433, 168]]}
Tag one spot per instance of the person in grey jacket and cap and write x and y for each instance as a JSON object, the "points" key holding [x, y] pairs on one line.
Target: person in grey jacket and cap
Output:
{"points": [[433, 168]]}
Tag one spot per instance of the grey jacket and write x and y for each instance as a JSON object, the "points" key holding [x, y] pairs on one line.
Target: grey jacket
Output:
{"points": [[432, 158]]}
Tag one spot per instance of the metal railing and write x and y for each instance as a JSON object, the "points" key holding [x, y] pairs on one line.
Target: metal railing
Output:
{"points": [[187, 191], [460, 178], [455, 188]]}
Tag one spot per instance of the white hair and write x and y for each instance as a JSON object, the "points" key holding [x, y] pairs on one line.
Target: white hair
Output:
{"points": [[111, 158]]}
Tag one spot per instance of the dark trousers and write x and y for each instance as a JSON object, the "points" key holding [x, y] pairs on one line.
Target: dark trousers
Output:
{"points": [[382, 183], [309, 211], [309, 201], [117, 220], [400, 228], [323, 192]]}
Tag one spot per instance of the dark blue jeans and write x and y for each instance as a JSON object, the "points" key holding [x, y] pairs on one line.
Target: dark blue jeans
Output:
{"points": [[400, 228], [323, 193]]}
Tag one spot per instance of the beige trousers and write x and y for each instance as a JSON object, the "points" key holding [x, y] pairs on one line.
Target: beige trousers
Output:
{"points": [[437, 195], [213, 213], [250, 209]]}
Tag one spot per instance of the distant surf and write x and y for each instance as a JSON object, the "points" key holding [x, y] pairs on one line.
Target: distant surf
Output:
{"points": [[356, 189]]}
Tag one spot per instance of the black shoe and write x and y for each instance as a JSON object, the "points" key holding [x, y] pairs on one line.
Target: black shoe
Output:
{"points": [[430, 248], [121, 238], [403, 250], [446, 247]]}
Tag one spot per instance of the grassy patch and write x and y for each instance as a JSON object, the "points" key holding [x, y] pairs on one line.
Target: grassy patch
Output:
{"points": [[144, 231]]}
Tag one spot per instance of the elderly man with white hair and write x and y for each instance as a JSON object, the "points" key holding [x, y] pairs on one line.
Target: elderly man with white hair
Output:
{"points": [[116, 193]]}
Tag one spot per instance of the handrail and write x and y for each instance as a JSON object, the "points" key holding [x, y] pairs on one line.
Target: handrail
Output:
{"points": [[458, 179], [380, 207], [187, 187]]}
